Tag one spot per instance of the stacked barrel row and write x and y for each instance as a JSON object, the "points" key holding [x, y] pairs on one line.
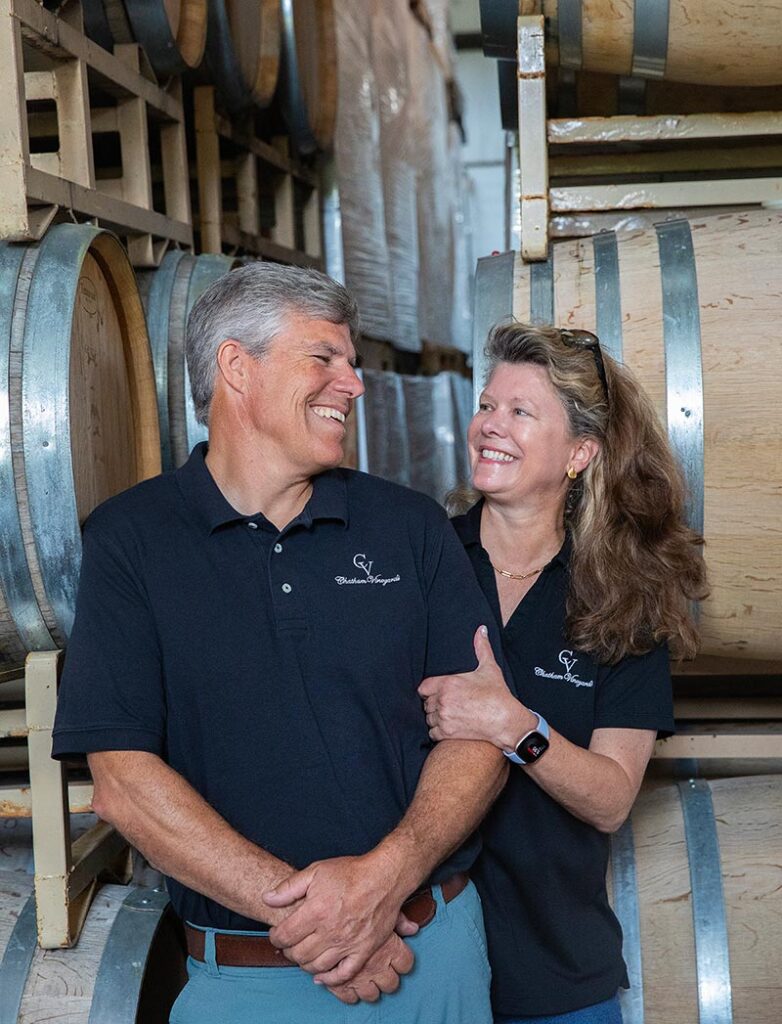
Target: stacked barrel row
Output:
{"points": [[397, 155], [251, 50]]}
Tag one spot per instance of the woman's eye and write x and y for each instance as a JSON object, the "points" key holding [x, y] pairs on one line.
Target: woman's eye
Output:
{"points": [[483, 407], [520, 412]]}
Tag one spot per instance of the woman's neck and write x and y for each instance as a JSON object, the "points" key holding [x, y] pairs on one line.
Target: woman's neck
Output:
{"points": [[521, 537]]}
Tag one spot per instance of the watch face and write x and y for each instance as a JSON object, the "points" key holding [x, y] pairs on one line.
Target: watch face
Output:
{"points": [[531, 747]]}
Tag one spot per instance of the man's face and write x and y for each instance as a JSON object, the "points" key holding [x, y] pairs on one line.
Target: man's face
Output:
{"points": [[302, 393]]}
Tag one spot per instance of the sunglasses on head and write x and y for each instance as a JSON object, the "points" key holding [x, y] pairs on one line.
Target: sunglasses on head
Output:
{"points": [[585, 339]]}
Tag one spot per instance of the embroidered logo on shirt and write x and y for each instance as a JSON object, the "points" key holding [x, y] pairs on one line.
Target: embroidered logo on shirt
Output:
{"points": [[360, 561], [565, 658]]}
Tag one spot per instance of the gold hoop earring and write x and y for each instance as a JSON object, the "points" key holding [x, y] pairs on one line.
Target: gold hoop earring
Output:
{"points": [[571, 473]]}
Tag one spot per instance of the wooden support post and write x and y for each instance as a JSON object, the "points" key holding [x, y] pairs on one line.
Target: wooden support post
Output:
{"points": [[15, 150], [210, 187], [533, 148], [65, 876], [176, 175], [247, 194]]}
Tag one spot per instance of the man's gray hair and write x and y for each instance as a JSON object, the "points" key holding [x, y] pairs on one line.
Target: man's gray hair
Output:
{"points": [[251, 305]]}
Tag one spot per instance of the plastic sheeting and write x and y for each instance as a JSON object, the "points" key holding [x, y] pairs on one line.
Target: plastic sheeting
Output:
{"points": [[417, 429], [388, 446], [390, 62], [429, 132], [463, 262], [357, 153]]}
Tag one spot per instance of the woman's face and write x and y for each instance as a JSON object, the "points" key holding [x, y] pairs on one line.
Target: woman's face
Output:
{"points": [[519, 441]]}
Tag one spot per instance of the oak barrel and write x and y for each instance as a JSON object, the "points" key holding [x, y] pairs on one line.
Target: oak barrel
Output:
{"points": [[243, 51], [171, 32], [696, 881], [78, 418], [692, 307], [309, 73], [127, 967], [710, 42], [170, 293]]}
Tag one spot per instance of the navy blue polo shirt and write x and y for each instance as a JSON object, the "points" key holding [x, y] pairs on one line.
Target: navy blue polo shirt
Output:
{"points": [[275, 670], [555, 945]]}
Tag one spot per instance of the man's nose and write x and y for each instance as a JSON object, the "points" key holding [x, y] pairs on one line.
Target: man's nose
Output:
{"points": [[351, 383]]}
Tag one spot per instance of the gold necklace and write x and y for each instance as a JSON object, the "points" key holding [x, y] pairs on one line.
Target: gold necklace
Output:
{"points": [[517, 575]]}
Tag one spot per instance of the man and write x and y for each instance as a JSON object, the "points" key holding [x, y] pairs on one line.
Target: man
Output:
{"points": [[250, 633]]}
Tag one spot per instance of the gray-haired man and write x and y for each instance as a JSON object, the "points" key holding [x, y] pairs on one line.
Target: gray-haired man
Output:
{"points": [[242, 675]]}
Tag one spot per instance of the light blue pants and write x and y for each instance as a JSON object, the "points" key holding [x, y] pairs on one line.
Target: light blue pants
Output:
{"points": [[449, 983], [607, 1012]]}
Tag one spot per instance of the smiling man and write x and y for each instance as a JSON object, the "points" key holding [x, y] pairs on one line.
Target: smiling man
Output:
{"points": [[250, 633]]}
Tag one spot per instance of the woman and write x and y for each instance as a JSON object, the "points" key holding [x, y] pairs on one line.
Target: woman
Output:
{"points": [[579, 543]]}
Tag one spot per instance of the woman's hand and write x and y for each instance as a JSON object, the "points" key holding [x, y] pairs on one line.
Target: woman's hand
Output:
{"points": [[474, 705]]}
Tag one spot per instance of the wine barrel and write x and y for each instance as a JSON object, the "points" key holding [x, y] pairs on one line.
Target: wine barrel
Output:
{"points": [[692, 308], [78, 419], [243, 51], [309, 73], [170, 293], [707, 42], [171, 32], [127, 967], [695, 882], [585, 94]]}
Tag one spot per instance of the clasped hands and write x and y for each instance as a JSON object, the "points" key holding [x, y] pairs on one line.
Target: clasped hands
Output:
{"points": [[345, 927]]}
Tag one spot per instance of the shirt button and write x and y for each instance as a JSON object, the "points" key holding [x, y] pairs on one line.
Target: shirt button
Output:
{"points": [[252, 526], [277, 548], [286, 588]]}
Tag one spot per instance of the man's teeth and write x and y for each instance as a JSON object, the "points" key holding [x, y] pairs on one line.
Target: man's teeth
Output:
{"points": [[489, 453], [329, 414]]}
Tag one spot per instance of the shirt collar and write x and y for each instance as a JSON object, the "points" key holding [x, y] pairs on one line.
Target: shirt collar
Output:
{"points": [[468, 529], [327, 501]]}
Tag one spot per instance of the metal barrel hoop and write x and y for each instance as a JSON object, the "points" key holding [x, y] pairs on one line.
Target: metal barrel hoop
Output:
{"points": [[45, 407], [712, 956], [650, 38], [124, 959], [17, 264], [158, 310], [16, 962], [493, 303], [608, 293], [541, 290], [626, 907]]}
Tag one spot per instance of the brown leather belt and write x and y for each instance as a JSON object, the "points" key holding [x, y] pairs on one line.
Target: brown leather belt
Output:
{"points": [[258, 951]]}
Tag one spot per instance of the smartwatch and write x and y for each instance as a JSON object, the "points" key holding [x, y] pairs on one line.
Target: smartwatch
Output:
{"points": [[532, 745]]}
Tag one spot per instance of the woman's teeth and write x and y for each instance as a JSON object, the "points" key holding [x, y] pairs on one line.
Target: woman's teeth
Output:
{"points": [[493, 456]]}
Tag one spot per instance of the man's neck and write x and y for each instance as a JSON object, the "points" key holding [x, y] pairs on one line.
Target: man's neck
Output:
{"points": [[252, 480]]}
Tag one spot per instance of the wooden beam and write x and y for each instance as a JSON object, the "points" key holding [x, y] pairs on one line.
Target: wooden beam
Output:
{"points": [[665, 194], [662, 127]]}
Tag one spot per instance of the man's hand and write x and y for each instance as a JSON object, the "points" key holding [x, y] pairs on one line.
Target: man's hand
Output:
{"points": [[474, 705], [380, 974], [349, 908]]}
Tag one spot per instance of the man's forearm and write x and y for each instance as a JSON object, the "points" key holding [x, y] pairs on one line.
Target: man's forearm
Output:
{"points": [[459, 782], [177, 831]]}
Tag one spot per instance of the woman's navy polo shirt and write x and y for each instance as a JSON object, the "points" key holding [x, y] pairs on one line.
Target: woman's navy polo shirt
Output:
{"points": [[276, 671], [554, 943]]}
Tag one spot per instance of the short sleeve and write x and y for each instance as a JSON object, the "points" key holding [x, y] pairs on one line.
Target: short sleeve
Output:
{"points": [[111, 695], [456, 608], [636, 693]]}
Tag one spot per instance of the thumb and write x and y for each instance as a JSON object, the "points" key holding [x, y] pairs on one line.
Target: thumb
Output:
{"points": [[483, 648], [404, 926], [292, 889]]}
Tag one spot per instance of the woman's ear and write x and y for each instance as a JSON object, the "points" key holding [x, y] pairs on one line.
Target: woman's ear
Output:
{"points": [[585, 449]]}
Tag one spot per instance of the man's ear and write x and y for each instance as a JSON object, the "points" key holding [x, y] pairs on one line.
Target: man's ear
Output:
{"points": [[232, 365]]}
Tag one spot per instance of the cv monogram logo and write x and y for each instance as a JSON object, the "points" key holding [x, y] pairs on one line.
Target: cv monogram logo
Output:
{"points": [[568, 662]]}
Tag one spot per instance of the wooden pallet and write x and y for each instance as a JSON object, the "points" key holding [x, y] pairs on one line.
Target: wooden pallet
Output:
{"points": [[252, 197], [66, 872], [64, 98], [622, 149]]}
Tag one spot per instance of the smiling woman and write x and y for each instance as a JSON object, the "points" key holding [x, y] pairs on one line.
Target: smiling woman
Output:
{"points": [[576, 535]]}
